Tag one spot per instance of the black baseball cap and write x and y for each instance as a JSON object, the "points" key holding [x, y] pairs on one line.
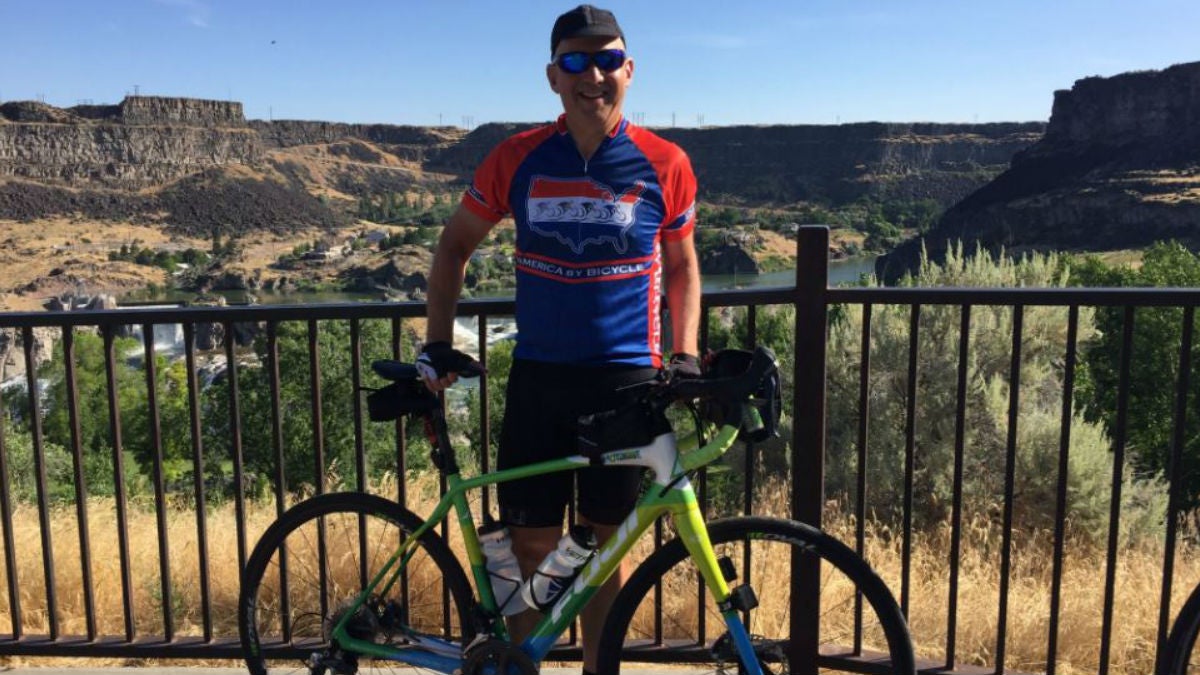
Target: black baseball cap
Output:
{"points": [[584, 21]]}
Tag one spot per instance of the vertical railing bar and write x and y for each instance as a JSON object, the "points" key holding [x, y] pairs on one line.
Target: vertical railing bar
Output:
{"points": [[485, 413], [443, 487], [910, 449], [1114, 519], [401, 440], [318, 432], [10, 551], [118, 452], [81, 493], [318, 425], [1060, 501], [164, 550], [189, 351], [658, 591], [748, 467], [860, 496], [39, 468], [960, 425], [700, 590], [360, 454], [1175, 474], [235, 442], [659, 529], [811, 328], [1010, 471], [285, 627], [750, 464], [401, 446]]}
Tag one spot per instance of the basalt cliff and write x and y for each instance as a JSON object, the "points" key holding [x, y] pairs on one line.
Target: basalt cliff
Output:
{"points": [[200, 167], [1118, 168]]}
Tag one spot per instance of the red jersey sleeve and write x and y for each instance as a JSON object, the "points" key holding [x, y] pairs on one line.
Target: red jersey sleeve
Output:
{"points": [[679, 193], [487, 197], [676, 178]]}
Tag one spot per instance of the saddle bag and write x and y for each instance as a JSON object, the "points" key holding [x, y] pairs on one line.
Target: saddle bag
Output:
{"points": [[408, 397]]}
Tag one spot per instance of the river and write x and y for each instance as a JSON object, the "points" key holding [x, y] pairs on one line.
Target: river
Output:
{"points": [[844, 271]]}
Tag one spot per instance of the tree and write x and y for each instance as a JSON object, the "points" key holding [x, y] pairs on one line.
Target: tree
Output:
{"points": [[296, 420], [1154, 364], [987, 399]]}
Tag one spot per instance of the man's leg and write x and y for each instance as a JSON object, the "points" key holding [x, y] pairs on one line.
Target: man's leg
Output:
{"points": [[594, 613], [530, 545]]}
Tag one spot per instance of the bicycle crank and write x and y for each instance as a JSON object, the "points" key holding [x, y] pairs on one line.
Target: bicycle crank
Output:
{"points": [[498, 657]]}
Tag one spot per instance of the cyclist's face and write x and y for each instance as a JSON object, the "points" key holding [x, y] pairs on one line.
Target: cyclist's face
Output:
{"points": [[593, 97]]}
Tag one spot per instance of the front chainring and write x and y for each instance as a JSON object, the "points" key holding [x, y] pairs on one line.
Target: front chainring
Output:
{"points": [[498, 657]]}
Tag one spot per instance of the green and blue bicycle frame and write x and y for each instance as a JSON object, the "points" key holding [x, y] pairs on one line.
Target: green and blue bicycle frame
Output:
{"points": [[669, 459]]}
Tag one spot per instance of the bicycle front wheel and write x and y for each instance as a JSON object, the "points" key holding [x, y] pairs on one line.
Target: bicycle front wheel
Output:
{"points": [[1180, 657], [310, 566], [665, 612]]}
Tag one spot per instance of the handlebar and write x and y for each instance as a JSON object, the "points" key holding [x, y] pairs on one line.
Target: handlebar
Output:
{"points": [[731, 389]]}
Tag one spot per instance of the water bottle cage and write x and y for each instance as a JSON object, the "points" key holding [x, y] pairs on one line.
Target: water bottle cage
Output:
{"points": [[501, 603], [557, 585]]}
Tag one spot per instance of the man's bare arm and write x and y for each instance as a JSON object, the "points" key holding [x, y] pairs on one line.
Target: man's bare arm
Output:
{"points": [[681, 273], [458, 242]]}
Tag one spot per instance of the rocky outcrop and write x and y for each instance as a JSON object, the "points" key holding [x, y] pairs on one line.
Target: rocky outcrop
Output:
{"points": [[166, 111], [416, 144], [403, 272], [728, 259], [120, 156], [12, 350], [1119, 167], [144, 141], [199, 167], [839, 163]]}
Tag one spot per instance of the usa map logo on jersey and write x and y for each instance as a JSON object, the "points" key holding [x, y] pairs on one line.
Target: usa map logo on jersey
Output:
{"points": [[581, 211]]}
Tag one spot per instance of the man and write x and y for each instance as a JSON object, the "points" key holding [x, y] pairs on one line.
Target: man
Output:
{"points": [[604, 214]]}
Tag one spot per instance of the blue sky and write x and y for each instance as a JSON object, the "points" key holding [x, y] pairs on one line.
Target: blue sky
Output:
{"points": [[460, 62]]}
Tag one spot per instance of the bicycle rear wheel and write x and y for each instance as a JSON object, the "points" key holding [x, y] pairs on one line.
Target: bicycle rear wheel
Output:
{"points": [[1181, 657], [312, 563], [687, 628]]}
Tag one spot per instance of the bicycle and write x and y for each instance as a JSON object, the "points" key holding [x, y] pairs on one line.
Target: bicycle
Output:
{"points": [[1179, 656], [384, 585]]}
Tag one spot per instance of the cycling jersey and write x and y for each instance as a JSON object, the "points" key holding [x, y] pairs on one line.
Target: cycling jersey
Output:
{"points": [[589, 238]]}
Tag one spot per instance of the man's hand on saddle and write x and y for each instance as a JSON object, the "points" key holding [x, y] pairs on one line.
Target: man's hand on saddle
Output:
{"points": [[440, 365]]}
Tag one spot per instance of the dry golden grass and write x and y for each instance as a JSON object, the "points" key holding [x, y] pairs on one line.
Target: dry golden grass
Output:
{"points": [[1138, 584]]}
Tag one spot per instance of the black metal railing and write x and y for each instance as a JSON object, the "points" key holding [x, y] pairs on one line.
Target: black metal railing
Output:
{"points": [[812, 302]]}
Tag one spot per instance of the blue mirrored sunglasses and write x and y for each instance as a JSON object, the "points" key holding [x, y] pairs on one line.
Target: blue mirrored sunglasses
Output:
{"points": [[575, 63]]}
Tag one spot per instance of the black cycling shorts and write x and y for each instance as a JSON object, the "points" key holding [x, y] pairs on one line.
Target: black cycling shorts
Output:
{"points": [[542, 407]]}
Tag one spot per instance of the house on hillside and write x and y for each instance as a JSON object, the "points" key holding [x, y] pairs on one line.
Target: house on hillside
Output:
{"points": [[327, 252]]}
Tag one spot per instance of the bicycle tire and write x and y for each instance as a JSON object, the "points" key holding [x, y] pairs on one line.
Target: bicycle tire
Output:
{"points": [[273, 629], [1178, 656], [764, 538]]}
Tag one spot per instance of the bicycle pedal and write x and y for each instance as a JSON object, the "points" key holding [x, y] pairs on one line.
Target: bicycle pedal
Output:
{"points": [[741, 598]]}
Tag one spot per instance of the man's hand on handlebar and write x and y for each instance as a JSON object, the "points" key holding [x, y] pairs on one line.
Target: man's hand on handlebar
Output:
{"points": [[683, 367], [440, 365]]}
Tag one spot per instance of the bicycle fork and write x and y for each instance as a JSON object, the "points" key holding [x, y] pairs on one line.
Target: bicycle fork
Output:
{"points": [[694, 533]]}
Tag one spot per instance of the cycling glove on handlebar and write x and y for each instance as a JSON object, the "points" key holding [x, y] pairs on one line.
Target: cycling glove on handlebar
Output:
{"points": [[683, 367], [438, 359]]}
